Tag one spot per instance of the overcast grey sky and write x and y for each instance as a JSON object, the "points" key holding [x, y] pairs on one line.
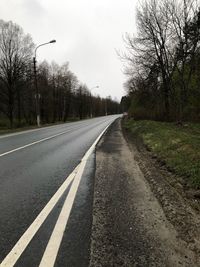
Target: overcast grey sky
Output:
{"points": [[87, 32]]}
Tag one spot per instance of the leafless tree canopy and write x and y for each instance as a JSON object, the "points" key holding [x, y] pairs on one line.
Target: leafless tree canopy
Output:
{"points": [[163, 58], [62, 96]]}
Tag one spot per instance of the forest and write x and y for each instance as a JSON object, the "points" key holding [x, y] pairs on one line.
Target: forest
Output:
{"points": [[59, 93], [162, 62]]}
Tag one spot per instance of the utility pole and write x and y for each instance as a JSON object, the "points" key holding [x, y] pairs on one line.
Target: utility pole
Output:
{"points": [[106, 108], [37, 94], [91, 102]]}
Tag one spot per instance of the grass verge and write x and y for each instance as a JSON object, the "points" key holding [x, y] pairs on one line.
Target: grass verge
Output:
{"points": [[177, 146]]}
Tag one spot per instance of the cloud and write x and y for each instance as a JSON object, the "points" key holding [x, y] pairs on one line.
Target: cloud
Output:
{"points": [[87, 34], [33, 8], [16, 8]]}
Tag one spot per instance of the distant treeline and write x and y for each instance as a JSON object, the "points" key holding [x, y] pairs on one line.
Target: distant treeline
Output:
{"points": [[61, 95], [164, 61]]}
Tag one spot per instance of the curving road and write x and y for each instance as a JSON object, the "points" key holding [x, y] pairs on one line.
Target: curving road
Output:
{"points": [[33, 165]]}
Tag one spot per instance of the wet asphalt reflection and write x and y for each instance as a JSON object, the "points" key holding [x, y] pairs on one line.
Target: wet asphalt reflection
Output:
{"points": [[28, 179]]}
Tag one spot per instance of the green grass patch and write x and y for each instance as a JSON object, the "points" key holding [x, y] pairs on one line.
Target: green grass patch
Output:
{"points": [[177, 146]]}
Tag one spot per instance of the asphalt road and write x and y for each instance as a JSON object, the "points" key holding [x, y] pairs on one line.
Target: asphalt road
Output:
{"points": [[33, 165]]}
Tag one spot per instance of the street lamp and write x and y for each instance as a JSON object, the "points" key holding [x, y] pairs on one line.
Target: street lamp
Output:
{"points": [[106, 106], [97, 86], [36, 85]]}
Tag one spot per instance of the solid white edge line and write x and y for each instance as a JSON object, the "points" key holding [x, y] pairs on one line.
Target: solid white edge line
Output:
{"points": [[53, 246], [22, 243], [25, 239], [34, 143], [51, 251]]}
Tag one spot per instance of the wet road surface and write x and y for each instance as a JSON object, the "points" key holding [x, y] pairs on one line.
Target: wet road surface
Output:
{"points": [[33, 165]]}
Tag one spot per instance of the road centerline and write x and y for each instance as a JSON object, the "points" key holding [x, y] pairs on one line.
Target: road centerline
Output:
{"points": [[33, 143], [38, 141]]}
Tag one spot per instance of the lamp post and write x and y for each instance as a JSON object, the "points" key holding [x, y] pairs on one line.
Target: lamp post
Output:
{"points": [[37, 96], [97, 86], [106, 106]]}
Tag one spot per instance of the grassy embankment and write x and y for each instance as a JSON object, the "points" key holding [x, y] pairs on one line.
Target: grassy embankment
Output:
{"points": [[177, 146]]}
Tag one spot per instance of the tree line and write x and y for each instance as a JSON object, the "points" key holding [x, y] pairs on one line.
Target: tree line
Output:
{"points": [[62, 96], [163, 61]]}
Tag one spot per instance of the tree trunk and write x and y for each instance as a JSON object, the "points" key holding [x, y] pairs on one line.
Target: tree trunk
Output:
{"points": [[10, 105], [19, 107]]}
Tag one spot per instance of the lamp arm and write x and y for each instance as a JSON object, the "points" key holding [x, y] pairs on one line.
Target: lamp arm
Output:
{"points": [[39, 46]]}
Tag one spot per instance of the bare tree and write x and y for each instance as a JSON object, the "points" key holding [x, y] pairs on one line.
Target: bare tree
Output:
{"points": [[152, 46], [61, 94], [15, 53], [166, 42], [54, 68], [184, 16]]}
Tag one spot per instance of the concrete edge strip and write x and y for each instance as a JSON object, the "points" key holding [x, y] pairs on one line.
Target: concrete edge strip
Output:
{"points": [[51, 251], [25, 239]]}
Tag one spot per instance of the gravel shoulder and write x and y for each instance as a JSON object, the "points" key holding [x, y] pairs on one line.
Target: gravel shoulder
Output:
{"points": [[139, 218]]}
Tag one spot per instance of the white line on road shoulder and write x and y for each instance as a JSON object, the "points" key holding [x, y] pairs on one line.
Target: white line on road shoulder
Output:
{"points": [[53, 245], [57, 235], [25, 239], [52, 248]]}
